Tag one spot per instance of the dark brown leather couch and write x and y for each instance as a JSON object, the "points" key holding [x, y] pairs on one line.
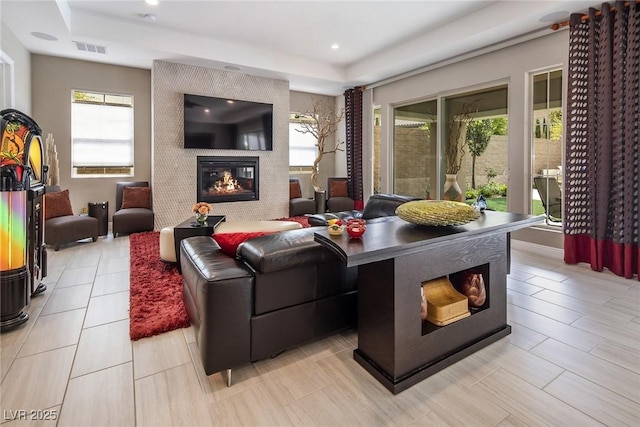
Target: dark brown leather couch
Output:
{"points": [[282, 290], [378, 207]]}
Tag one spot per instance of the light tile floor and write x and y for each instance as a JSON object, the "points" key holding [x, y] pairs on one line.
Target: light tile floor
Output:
{"points": [[573, 358]]}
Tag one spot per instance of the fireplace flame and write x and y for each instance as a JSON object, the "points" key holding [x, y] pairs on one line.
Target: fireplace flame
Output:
{"points": [[228, 184]]}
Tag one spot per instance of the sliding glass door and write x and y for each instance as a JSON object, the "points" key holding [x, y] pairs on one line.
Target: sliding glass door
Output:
{"points": [[546, 146], [477, 122]]}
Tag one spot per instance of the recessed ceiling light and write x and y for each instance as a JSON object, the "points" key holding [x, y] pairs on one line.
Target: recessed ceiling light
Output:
{"points": [[44, 36], [206, 110], [151, 2], [335, 46], [229, 101]]}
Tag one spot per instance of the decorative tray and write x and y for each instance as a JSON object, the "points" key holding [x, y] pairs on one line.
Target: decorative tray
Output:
{"points": [[437, 212]]}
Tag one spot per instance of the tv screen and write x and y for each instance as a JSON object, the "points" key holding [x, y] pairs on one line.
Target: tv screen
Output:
{"points": [[227, 124]]}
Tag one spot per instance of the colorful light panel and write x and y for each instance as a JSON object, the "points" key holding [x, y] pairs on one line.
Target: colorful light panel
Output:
{"points": [[13, 230]]}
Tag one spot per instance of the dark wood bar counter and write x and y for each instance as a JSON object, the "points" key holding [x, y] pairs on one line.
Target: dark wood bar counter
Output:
{"points": [[394, 258]]}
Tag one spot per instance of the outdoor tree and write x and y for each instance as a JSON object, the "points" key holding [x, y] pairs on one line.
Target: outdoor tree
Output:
{"points": [[478, 137], [455, 147], [322, 124]]}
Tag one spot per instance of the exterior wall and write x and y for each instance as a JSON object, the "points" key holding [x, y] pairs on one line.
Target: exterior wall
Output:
{"points": [[52, 81], [21, 57], [174, 168]]}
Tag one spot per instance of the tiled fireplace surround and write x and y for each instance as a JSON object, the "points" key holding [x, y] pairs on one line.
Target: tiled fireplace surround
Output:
{"points": [[174, 168]]}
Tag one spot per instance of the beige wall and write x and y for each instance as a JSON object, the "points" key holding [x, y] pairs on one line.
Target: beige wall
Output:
{"points": [[509, 65], [52, 81], [174, 168], [21, 58], [302, 102]]}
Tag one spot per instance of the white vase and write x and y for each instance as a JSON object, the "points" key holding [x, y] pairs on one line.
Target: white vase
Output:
{"points": [[452, 190]]}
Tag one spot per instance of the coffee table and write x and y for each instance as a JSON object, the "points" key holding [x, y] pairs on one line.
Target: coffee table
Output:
{"points": [[393, 259], [190, 228]]}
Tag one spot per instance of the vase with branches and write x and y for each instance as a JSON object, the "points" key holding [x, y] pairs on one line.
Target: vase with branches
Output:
{"points": [[455, 147], [322, 123]]}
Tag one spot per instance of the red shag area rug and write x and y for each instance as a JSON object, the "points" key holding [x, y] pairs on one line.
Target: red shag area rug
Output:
{"points": [[155, 301]]}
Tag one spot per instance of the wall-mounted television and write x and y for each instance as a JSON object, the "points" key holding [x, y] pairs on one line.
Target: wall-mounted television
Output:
{"points": [[227, 124]]}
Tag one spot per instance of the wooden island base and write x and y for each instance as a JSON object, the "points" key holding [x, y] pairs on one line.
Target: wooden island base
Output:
{"points": [[394, 258]]}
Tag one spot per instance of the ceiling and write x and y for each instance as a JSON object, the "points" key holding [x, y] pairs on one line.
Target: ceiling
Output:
{"points": [[289, 40]]}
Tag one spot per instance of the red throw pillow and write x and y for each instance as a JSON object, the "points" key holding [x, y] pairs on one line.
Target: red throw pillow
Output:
{"points": [[339, 189], [136, 197], [229, 242], [57, 204]]}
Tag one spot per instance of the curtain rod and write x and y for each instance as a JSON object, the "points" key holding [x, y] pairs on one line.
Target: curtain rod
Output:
{"points": [[585, 17]]}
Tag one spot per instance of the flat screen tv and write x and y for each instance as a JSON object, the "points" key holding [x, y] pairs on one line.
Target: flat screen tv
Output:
{"points": [[227, 124]]}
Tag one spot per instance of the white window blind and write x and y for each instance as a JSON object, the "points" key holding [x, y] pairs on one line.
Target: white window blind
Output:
{"points": [[302, 147], [102, 134]]}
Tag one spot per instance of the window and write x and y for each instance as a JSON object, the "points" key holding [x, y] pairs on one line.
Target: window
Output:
{"points": [[101, 134], [302, 146]]}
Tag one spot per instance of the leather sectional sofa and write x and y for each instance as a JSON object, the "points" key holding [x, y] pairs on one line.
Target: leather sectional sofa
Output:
{"points": [[280, 291]]}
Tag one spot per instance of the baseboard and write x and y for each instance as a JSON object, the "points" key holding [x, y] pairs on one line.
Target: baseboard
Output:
{"points": [[537, 248]]}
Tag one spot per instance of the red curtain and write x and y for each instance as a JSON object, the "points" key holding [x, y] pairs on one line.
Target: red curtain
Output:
{"points": [[353, 124], [602, 158]]}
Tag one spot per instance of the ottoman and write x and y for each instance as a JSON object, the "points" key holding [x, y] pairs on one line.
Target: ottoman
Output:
{"points": [[167, 245], [253, 226]]}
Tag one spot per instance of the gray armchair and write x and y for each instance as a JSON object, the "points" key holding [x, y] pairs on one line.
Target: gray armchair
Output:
{"points": [[133, 208], [338, 199], [61, 226], [299, 205]]}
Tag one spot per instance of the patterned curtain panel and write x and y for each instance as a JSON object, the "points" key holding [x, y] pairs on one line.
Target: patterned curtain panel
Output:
{"points": [[353, 122], [601, 188]]}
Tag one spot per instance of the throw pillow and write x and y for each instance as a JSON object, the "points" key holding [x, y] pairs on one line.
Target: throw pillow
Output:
{"points": [[338, 189], [229, 242], [294, 190], [57, 204], [136, 197]]}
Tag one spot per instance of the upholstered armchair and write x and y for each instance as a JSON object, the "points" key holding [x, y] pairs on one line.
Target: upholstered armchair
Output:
{"points": [[299, 205], [133, 208], [338, 199], [60, 224]]}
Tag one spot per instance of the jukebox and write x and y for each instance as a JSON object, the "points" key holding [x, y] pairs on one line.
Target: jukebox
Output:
{"points": [[23, 256]]}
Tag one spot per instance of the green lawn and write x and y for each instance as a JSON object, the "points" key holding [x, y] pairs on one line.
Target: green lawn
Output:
{"points": [[500, 204]]}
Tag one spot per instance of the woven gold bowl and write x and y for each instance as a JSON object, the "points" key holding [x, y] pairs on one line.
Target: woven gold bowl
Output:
{"points": [[437, 212]]}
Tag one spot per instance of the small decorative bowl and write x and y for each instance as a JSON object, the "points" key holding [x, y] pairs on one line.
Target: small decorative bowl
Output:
{"points": [[335, 229], [356, 228]]}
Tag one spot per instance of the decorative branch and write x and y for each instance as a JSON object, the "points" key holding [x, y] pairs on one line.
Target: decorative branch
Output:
{"points": [[322, 122], [455, 147]]}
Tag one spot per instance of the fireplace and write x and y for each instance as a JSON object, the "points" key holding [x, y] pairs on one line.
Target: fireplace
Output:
{"points": [[227, 179]]}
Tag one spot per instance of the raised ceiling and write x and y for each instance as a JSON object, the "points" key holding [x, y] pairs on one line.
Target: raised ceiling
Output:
{"points": [[289, 40]]}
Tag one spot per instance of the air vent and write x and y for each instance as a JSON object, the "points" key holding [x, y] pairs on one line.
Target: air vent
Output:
{"points": [[87, 47]]}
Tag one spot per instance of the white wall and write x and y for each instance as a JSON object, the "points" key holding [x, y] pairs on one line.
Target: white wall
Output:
{"points": [[302, 102], [21, 58], [509, 65]]}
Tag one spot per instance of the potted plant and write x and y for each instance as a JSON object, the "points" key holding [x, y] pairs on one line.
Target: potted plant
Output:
{"points": [[322, 123]]}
